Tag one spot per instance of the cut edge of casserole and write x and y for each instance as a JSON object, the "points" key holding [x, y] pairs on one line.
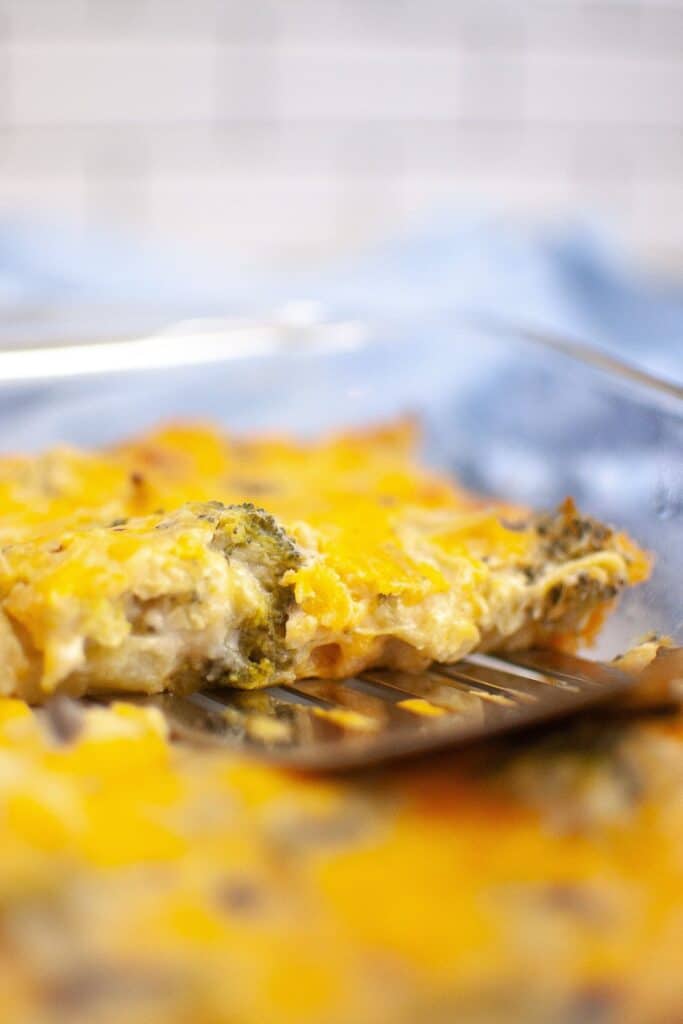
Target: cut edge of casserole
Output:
{"points": [[378, 563]]}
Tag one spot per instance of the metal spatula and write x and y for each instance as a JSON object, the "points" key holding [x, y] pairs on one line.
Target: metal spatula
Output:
{"points": [[379, 715]]}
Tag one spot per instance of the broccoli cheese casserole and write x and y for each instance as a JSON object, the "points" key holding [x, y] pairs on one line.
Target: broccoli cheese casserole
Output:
{"points": [[185, 557], [146, 880]]}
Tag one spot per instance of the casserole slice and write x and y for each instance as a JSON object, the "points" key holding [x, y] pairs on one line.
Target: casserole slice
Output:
{"points": [[359, 558]]}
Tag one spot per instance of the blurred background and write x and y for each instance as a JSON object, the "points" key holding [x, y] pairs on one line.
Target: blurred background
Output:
{"points": [[290, 132]]}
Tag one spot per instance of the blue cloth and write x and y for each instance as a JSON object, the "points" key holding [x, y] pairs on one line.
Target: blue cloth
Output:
{"points": [[569, 281]]}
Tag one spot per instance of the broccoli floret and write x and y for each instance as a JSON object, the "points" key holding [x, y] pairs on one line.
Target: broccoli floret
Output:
{"points": [[269, 552], [565, 534]]}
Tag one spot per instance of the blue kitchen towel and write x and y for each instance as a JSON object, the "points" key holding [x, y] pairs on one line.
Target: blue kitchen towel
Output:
{"points": [[570, 281]]}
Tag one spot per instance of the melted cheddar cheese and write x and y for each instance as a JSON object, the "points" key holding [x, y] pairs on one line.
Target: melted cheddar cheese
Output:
{"points": [[117, 570], [146, 881]]}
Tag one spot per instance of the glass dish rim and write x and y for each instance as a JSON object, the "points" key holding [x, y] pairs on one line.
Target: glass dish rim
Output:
{"points": [[24, 364]]}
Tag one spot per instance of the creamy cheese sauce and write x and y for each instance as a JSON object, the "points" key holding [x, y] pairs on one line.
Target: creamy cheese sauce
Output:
{"points": [[112, 577]]}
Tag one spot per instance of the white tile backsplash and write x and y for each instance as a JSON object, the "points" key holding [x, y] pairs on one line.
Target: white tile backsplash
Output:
{"points": [[75, 82], [59, 197], [492, 88], [604, 89], [655, 203], [113, 200], [35, 19], [367, 84], [294, 129], [247, 83], [261, 216]]}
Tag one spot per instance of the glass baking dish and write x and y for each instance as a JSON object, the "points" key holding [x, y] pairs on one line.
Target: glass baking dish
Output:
{"points": [[509, 412]]}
